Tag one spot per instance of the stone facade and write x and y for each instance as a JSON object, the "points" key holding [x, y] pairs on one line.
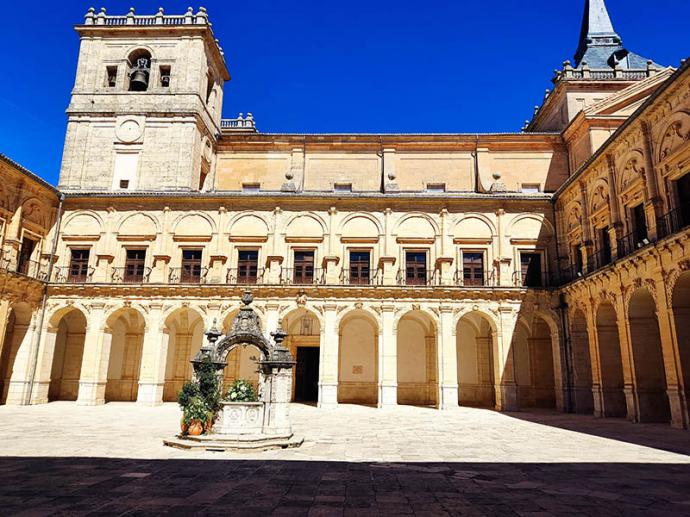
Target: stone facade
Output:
{"points": [[438, 270]]}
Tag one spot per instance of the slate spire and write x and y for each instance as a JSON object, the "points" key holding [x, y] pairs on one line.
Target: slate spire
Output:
{"points": [[600, 45]]}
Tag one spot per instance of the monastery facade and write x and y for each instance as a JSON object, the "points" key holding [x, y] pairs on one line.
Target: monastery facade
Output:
{"points": [[545, 268]]}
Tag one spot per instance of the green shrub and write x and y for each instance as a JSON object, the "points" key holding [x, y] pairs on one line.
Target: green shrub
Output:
{"points": [[241, 391], [196, 409]]}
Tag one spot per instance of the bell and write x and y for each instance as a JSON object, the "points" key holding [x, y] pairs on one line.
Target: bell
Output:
{"points": [[139, 81]]}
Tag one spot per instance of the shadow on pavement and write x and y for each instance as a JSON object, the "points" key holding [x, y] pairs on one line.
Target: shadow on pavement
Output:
{"points": [[100, 486], [655, 436]]}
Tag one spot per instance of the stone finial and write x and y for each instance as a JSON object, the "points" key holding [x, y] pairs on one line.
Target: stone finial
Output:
{"points": [[202, 16], [100, 18], [89, 16], [130, 16], [160, 15]]}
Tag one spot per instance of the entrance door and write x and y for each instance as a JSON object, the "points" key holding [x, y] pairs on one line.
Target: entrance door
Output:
{"points": [[307, 374]]}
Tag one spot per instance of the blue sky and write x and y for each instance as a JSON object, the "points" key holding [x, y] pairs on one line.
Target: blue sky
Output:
{"points": [[325, 66]]}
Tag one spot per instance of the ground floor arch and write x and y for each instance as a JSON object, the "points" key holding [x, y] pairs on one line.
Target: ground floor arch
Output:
{"points": [[417, 365], [358, 359], [126, 328], [533, 361], [582, 398], [16, 330], [304, 342], [681, 315], [613, 402], [650, 375], [184, 331], [475, 359], [68, 355]]}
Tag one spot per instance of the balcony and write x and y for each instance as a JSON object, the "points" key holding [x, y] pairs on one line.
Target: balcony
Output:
{"points": [[31, 268], [487, 279], [672, 222], [303, 276], [73, 275], [416, 276], [359, 277], [188, 275], [245, 276], [130, 275]]}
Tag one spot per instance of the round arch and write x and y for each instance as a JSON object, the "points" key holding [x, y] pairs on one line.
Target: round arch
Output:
{"points": [[613, 403], [476, 348], [16, 331], [417, 358], [358, 371]]}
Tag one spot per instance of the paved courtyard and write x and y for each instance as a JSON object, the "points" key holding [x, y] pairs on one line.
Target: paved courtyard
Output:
{"points": [[61, 459]]}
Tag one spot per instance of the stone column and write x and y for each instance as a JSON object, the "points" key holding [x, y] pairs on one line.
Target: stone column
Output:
{"points": [[278, 409], [153, 359], [504, 362], [670, 347], [20, 381], [626, 359], [447, 361], [328, 371], [94, 366], [597, 391], [388, 359]]}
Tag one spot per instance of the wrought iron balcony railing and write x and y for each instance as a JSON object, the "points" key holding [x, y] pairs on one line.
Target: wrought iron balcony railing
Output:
{"points": [[672, 222], [73, 275], [245, 276], [188, 275], [415, 276], [360, 277], [487, 279], [131, 275], [304, 275]]}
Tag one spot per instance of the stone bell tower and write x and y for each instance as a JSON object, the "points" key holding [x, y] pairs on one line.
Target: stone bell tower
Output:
{"points": [[146, 105]]}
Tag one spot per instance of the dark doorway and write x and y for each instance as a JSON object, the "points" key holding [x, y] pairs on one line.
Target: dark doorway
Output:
{"points": [[683, 185], [307, 375]]}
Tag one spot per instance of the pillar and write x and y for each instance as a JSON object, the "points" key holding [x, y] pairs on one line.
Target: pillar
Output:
{"points": [[44, 365], [94, 367], [626, 359], [328, 370], [20, 382], [388, 359], [504, 375], [153, 359], [593, 342], [447, 361]]}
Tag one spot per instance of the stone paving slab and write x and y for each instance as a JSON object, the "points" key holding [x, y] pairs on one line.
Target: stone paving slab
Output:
{"points": [[61, 459]]}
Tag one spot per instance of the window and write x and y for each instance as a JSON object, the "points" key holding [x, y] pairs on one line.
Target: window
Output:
{"points": [[531, 188], [79, 266], [530, 269], [247, 266], [436, 187], [134, 266], [415, 268], [473, 268], [124, 184], [304, 267], [25, 253], [251, 187], [165, 76], [604, 247], [639, 222], [360, 267], [683, 190], [343, 187], [111, 76], [577, 259], [191, 267]]}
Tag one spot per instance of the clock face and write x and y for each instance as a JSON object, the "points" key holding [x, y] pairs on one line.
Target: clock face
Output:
{"points": [[129, 131]]}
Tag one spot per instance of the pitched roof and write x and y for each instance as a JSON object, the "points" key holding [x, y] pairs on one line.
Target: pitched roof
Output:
{"points": [[600, 46]]}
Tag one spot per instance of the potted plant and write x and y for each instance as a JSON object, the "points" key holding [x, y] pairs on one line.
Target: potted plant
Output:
{"points": [[241, 391], [195, 416], [204, 389]]}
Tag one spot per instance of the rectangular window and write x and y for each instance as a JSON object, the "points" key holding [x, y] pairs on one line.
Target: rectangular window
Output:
{"points": [[191, 267], [111, 76], [604, 247], [683, 190], [577, 259], [247, 266], [436, 187], [24, 264], [342, 187], [165, 76], [530, 269], [531, 188], [360, 267], [415, 268], [135, 266], [251, 187], [639, 222], [79, 266], [473, 268], [124, 184], [304, 267]]}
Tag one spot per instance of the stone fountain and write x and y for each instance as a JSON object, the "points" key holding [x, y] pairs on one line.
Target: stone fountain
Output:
{"points": [[249, 425]]}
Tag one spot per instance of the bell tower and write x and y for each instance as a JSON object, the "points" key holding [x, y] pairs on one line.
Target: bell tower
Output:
{"points": [[146, 105]]}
